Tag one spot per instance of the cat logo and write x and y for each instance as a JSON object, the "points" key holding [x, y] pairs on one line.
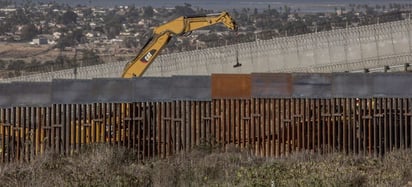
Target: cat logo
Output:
{"points": [[148, 56]]}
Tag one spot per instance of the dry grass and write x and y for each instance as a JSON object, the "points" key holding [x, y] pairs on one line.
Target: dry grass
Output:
{"points": [[27, 52], [108, 166]]}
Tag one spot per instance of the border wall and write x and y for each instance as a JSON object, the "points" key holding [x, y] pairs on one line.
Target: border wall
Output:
{"points": [[351, 49], [270, 114]]}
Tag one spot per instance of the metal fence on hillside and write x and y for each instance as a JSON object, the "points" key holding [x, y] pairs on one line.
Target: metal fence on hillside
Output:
{"points": [[271, 115], [266, 127]]}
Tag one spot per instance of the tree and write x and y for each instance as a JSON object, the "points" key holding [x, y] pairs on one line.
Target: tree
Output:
{"points": [[77, 36], [2, 64], [63, 62], [17, 65], [113, 24], [88, 12], [148, 12], [90, 58], [370, 11], [68, 18], [287, 10], [271, 12], [235, 13], [19, 17], [28, 32], [5, 3], [33, 66], [130, 42], [71, 39], [184, 10], [133, 14], [64, 42]]}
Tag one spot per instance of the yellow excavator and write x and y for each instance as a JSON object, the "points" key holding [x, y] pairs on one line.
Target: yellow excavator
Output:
{"points": [[162, 34], [136, 68]]}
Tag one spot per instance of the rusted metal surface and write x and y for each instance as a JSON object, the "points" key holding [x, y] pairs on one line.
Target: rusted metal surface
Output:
{"points": [[231, 86], [268, 127]]}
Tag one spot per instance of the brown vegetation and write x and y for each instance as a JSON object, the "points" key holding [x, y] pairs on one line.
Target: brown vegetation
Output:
{"points": [[109, 166]]}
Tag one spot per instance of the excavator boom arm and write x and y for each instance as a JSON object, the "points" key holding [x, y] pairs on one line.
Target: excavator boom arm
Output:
{"points": [[183, 25], [162, 35]]}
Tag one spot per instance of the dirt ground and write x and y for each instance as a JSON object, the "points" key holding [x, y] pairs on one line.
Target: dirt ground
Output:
{"points": [[42, 53], [28, 52]]}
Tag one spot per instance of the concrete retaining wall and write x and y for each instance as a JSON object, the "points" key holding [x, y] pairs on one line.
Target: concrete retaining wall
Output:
{"points": [[340, 50]]}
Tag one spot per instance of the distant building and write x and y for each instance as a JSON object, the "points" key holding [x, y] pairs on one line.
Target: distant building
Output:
{"points": [[8, 10], [57, 35], [3, 38], [339, 12], [89, 35], [40, 41]]}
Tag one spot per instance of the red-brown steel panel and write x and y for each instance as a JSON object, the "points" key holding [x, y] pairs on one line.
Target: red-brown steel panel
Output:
{"points": [[231, 86]]}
